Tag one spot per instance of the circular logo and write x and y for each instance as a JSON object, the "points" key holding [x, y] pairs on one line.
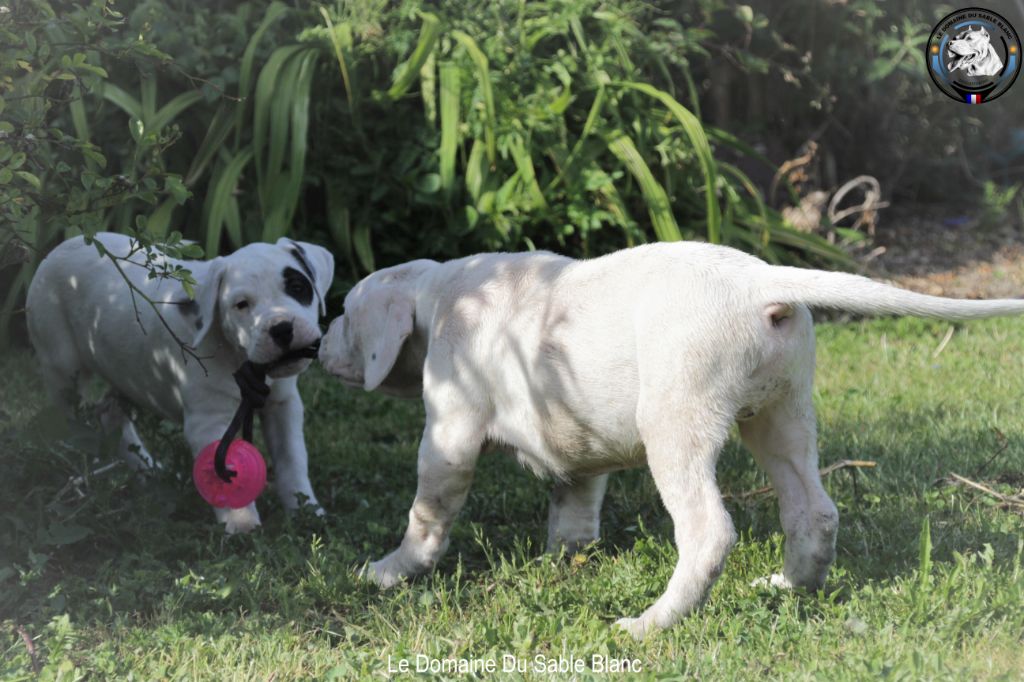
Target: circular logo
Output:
{"points": [[973, 55]]}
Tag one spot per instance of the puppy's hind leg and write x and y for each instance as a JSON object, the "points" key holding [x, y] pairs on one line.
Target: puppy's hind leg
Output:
{"points": [[783, 438], [58, 361], [574, 517], [682, 450], [114, 419]]}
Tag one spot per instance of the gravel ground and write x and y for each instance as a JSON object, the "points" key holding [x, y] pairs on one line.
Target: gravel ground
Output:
{"points": [[947, 254]]}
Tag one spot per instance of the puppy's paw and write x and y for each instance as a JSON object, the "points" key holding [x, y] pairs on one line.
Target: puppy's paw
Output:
{"points": [[244, 520], [558, 545], [385, 573], [774, 580], [301, 500], [637, 627]]}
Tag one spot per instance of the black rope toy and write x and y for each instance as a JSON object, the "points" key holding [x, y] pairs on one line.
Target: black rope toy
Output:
{"points": [[220, 484]]}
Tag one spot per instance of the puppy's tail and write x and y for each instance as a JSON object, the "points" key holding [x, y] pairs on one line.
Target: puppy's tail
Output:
{"points": [[856, 294]]}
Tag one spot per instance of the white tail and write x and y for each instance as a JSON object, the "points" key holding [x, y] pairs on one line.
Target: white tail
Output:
{"points": [[856, 294]]}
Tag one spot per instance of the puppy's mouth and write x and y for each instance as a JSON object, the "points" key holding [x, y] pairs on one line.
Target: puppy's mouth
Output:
{"points": [[356, 382], [350, 380], [292, 361]]}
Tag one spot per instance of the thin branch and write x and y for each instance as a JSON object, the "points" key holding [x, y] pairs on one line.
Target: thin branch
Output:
{"points": [[1008, 500], [835, 466], [30, 646], [187, 351], [1002, 443]]}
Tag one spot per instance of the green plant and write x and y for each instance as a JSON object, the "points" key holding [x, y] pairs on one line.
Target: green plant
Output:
{"points": [[997, 204], [54, 180], [555, 126]]}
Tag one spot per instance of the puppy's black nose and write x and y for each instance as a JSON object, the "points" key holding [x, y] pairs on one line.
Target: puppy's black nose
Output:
{"points": [[282, 334]]}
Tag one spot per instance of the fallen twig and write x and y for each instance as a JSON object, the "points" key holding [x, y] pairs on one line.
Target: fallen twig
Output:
{"points": [[944, 342], [1015, 501], [30, 646], [835, 466], [75, 483], [1003, 443]]}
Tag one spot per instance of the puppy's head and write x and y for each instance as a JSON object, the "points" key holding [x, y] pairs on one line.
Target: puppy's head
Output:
{"points": [[266, 300], [364, 346]]}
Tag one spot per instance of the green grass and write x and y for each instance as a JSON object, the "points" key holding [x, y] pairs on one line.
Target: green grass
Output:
{"points": [[135, 578]]}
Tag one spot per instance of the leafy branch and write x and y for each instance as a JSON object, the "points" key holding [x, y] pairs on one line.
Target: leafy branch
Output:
{"points": [[158, 269]]}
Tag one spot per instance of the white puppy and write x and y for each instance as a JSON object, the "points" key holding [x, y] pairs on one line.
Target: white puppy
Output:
{"points": [[645, 356], [256, 304]]}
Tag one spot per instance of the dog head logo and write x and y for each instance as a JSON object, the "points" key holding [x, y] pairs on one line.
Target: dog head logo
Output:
{"points": [[973, 52], [974, 55]]}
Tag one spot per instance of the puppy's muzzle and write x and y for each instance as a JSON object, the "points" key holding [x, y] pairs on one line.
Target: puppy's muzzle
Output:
{"points": [[309, 352]]}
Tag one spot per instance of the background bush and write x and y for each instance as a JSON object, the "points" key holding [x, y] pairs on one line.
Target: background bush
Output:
{"points": [[395, 130]]}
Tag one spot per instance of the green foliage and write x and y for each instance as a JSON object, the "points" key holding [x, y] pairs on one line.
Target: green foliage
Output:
{"points": [[392, 131], [998, 204], [850, 76], [55, 180], [116, 576]]}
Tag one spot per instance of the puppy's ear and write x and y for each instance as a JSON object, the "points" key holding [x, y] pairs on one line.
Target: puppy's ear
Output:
{"points": [[318, 264], [207, 293], [381, 351]]}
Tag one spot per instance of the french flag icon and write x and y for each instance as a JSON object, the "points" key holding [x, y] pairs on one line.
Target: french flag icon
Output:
{"points": [[974, 99]]}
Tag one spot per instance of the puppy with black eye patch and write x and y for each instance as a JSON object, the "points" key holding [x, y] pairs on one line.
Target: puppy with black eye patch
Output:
{"points": [[256, 304]]}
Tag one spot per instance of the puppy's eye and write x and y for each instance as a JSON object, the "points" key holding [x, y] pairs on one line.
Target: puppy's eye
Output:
{"points": [[242, 305], [298, 288]]}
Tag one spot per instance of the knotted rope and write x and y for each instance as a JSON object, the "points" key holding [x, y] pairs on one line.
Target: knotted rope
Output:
{"points": [[251, 378]]}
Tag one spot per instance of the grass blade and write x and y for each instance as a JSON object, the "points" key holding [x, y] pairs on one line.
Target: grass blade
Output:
{"points": [[477, 170], [341, 41], [450, 86], [810, 243], [339, 224], [218, 200], [428, 88], [280, 103], [755, 194], [924, 559], [217, 132], [299, 141], [122, 100], [263, 102], [81, 122], [363, 248], [701, 147], [527, 173], [170, 111], [273, 13], [407, 72], [148, 90], [484, 74], [160, 219], [665, 227]]}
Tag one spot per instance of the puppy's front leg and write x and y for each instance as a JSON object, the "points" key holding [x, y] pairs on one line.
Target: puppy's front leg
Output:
{"points": [[447, 458], [282, 430]]}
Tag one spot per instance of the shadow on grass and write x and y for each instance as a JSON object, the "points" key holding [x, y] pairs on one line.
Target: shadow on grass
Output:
{"points": [[137, 550]]}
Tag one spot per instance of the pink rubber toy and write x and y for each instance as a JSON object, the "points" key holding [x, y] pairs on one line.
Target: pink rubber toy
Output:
{"points": [[250, 475]]}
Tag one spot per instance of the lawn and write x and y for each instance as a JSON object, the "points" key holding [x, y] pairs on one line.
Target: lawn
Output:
{"points": [[135, 578]]}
